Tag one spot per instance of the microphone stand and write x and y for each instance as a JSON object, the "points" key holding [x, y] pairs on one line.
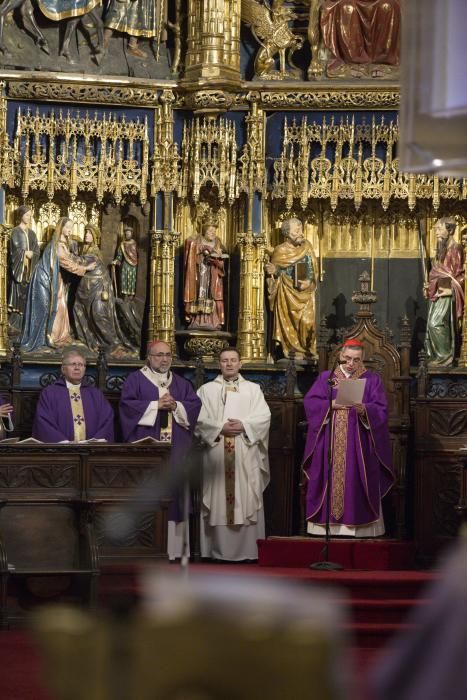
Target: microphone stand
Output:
{"points": [[325, 564]]}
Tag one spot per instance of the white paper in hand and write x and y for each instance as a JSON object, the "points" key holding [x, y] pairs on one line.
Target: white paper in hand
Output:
{"points": [[350, 392]]}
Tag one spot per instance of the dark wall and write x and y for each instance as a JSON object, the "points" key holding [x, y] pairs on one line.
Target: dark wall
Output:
{"points": [[398, 283]]}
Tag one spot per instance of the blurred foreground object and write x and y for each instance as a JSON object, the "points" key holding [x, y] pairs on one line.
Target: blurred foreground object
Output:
{"points": [[429, 662], [433, 113], [205, 638]]}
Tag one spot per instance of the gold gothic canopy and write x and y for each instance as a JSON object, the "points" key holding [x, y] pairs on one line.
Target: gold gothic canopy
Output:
{"points": [[53, 152], [340, 160], [332, 160]]}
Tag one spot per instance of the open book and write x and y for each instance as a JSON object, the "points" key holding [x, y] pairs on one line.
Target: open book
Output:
{"points": [[17, 441], [148, 440]]}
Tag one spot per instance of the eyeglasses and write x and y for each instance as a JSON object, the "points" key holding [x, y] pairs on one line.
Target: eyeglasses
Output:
{"points": [[74, 364], [160, 354]]}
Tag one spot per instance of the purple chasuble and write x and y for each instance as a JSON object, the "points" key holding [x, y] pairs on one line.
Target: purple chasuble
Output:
{"points": [[137, 393], [362, 471], [53, 421]]}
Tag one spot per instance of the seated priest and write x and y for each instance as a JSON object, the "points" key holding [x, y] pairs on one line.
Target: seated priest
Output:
{"points": [[6, 420], [71, 410], [361, 463], [159, 404]]}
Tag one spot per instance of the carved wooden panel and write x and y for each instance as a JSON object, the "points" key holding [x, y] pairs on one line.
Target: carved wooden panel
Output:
{"points": [[448, 422], [282, 430], [120, 476], [120, 528], [440, 433], [125, 534], [447, 487], [38, 537], [282, 493], [34, 476], [446, 388]]}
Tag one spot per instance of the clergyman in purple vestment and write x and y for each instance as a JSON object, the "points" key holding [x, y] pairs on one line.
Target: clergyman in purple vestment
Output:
{"points": [[71, 410], [157, 403], [362, 471]]}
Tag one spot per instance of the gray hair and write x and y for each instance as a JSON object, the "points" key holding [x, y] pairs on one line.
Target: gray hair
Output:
{"points": [[73, 352]]}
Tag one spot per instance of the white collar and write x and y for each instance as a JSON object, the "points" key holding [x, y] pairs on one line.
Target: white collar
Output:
{"points": [[69, 385], [162, 379]]}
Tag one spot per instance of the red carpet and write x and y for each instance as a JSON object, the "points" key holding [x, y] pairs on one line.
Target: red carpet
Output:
{"points": [[379, 579], [372, 555], [20, 668], [379, 602]]}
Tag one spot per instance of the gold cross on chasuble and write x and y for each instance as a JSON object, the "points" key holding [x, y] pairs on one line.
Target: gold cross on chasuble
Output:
{"points": [[229, 472], [166, 429], [79, 423]]}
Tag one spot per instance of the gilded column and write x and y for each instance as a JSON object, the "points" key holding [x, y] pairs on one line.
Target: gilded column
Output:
{"points": [[161, 301], [252, 182], [251, 342], [213, 45], [164, 241]]}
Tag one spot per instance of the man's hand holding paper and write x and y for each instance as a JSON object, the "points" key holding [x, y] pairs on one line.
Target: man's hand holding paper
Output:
{"points": [[350, 393]]}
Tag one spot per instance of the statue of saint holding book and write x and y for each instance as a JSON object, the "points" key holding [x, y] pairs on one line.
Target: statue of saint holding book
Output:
{"points": [[291, 286]]}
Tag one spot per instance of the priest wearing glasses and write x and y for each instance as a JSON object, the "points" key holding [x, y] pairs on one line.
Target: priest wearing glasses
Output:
{"points": [[361, 465], [159, 404], [71, 410]]}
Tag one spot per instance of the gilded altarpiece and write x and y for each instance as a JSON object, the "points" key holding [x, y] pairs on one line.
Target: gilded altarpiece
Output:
{"points": [[238, 116]]}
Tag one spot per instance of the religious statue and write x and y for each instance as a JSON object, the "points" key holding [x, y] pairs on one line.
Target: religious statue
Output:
{"points": [[46, 316], [204, 280], [445, 293], [94, 311], [291, 291], [126, 258], [74, 11], [24, 253], [137, 18], [269, 23], [361, 32]]}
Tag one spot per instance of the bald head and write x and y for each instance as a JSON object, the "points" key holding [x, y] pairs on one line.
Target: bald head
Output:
{"points": [[159, 356]]}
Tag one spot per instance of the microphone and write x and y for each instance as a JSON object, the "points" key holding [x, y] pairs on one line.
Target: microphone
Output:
{"points": [[335, 365]]}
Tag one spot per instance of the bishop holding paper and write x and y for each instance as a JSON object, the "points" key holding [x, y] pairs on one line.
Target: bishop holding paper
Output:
{"points": [[361, 465]]}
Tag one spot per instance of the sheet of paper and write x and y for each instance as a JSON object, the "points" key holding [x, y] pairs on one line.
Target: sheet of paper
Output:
{"points": [[350, 391], [232, 405]]}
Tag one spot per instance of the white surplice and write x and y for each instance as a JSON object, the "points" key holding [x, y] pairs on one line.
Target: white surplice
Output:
{"points": [[238, 541]]}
